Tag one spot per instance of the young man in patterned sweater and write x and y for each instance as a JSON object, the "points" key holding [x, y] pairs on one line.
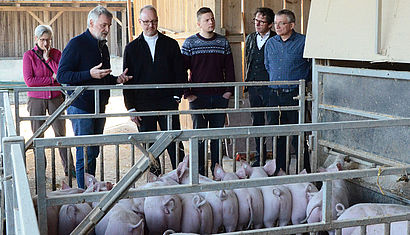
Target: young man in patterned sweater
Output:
{"points": [[208, 57]]}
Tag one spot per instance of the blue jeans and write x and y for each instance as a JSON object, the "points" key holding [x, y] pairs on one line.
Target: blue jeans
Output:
{"points": [[211, 121], [86, 126]]}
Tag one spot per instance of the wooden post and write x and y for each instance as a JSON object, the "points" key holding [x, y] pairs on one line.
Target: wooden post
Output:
{"points": [[124, 30]]}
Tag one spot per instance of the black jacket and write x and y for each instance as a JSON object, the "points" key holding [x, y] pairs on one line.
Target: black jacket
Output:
{"points": [[168, 67], [79, 56]]}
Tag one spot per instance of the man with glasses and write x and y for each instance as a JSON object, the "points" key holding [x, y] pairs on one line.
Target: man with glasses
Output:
{"points": [[255, 70], [208, 57], [284, 62], [154, 58]]}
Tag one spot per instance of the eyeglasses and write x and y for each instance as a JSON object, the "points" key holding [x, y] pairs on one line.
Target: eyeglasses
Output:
{"points": [[148, 22], [280, 23], [259, 21]]}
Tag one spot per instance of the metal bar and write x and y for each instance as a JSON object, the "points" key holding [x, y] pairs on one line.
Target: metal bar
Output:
{"points": [[102, 162], [69, 165], [16, 111], [85, 159], [107, 202], [21, 205], [53, 169], [388, 74], [356, 112], [274, 147], [163, 163], [378, 27], [132, 158], [236, 96], [247, 151], [233, 184], [220, 152], [117, 163], [78, 91], [262, 156], [287, 154], [363, 230], [327, 201], [387, 229], [172, 112], [41, 189], [97, 101], [8, 184], [234, 154], [177, 155], [206, 156], [248, 131], [317, 89], [193, 161], [360, 154], [301, 136]]}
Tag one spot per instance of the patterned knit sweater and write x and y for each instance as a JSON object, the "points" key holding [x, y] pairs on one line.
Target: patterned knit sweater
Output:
{"points": [[210, 60]]}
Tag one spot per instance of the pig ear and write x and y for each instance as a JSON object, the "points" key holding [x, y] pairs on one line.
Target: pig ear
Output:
{"points": [[169, 206], [186, 160], [219, 172], [321, 169], [339, 166], [241, 173], [89, 179], [270, 167], [281, 172], [109, 185], [303, 172], [64, 186], [151, 177]]}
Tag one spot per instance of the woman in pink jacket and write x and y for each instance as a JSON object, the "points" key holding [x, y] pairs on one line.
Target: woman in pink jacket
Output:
{"points": [[40, 66]]}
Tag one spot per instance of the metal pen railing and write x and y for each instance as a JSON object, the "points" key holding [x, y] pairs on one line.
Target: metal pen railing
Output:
{"points": [[16, 203], [121, 190], [235, 109]]}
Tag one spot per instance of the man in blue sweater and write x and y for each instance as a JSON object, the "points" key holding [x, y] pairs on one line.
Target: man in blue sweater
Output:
{"points": [[85, 62]]}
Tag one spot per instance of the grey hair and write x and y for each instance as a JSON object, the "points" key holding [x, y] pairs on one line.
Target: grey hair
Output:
{"points": [[150, 8], [96, 12], [289, 14], [42, 29]]}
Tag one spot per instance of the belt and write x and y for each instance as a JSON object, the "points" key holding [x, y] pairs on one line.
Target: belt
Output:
{"points": [[283, 90]]}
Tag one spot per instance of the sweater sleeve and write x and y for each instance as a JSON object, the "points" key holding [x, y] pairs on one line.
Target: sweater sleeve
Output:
{"points": [[187, 56], [31, 72], [267, 58], [229, 67], [69, 65]]}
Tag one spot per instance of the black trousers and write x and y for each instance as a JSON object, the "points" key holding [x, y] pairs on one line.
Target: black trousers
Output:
{"points": [[149, 123]]}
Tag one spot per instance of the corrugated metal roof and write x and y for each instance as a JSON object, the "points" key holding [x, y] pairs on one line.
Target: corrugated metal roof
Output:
{"points": [[346, 30]]}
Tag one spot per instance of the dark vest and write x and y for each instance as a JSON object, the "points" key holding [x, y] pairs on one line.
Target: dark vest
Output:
{"points": [[256, 70]]}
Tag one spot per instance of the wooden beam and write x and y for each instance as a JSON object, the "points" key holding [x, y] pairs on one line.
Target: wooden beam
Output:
{"points": [[55, 17], [37, 8], [117, 20], [123, 30], [129, 16], [57, 1], [35, 17]]}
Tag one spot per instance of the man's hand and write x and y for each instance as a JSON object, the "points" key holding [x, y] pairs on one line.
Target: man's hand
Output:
{"points": [[98, 73], [227, 95], [136, 120], [191, 98], [123, 77]]}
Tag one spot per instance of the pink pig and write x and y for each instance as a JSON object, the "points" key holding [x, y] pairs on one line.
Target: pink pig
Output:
{"points": [[250, 201]]}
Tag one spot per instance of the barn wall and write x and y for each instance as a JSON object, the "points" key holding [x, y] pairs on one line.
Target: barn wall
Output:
{"points": [[18, 28]]}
